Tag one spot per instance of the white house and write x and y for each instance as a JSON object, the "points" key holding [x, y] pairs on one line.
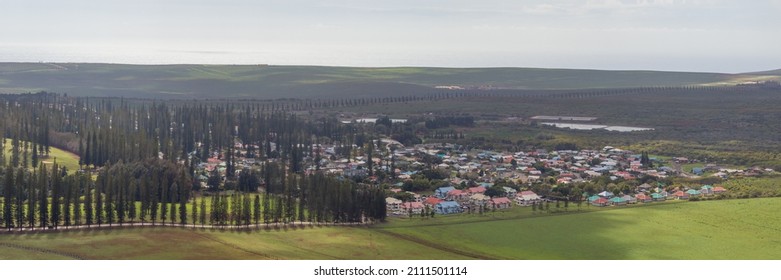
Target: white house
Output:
{"points": [[526, 198], [392, 204]]}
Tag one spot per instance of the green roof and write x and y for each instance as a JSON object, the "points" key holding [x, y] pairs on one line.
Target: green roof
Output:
{"points": [[617, 200], [656, 195]]}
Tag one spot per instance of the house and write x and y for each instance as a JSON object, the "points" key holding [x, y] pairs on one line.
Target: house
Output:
{"points": [[629, 199], [698, 171], [479, 199], [511, 193], [442, 192], [474, 190], [658, 197], [601, 202], [447, 207], [431, 201], [526, 198], [501, 203], [457, 195], [706, 190], [617, 201], [606, 194], [681, 195], [693, 193], [644, 187], [641, 197], [392, 204], [593, 198], [355, 172], [414, 207], [719, 190]]}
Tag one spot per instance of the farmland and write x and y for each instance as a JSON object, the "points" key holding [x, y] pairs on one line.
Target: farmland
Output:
{"points": [[268, 82], [687, 230]]}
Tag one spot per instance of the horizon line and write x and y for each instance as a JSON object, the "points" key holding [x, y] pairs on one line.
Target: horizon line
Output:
{"points": [[395, 66]]}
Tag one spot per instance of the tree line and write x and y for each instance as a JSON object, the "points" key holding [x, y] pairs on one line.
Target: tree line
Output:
{"points": [[139, 162]]}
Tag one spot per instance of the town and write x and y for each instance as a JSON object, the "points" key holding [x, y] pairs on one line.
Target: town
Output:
{"points": [[443, 178]]}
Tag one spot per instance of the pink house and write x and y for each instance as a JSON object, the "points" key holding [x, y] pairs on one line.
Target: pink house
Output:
{"points": [[457, 195], [501, 203], [475, 190]]}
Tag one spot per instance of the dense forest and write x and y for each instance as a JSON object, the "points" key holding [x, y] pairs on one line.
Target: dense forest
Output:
{"points": [[138, 162]]}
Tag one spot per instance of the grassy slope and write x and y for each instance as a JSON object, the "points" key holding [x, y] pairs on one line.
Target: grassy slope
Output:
{"points": [[187, 81], [174, 243], [731, 229], [64, 158], [728, 229]]}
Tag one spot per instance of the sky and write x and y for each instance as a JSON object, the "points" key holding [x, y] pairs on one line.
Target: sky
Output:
{"points": [[679, 35]]}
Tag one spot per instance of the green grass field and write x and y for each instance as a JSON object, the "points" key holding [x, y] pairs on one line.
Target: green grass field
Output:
{"points": [[177, 243], [723, 229], [728, 229], [64, 158], [256, 81]]}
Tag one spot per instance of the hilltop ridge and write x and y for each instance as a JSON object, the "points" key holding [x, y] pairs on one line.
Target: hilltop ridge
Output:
{"points": [[272, 81]]}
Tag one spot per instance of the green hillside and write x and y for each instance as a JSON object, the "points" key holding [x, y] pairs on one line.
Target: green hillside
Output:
{"points": [[728, 229], [262, 81], [720, 229], [64, 158]]}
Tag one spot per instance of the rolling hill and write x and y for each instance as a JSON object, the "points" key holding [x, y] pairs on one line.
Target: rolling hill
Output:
{"points": [[270, 82]]}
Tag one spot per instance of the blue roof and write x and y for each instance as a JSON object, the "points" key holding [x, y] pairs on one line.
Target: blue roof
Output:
{"points": [[445, 189], [449, 204]]}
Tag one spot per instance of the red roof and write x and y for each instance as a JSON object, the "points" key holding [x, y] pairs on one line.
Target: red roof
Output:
{"points": [[601, 200], [681, 194], [528, 193], [500, 200], [432, 201], [480, 189], [456, 193], [719, 189]]}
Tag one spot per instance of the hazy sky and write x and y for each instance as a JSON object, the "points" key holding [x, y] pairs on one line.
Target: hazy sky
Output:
{"points": [[721, 36]]}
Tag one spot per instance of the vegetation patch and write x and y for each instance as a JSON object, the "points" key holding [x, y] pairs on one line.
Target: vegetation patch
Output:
{"points": [[693, 230]]}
